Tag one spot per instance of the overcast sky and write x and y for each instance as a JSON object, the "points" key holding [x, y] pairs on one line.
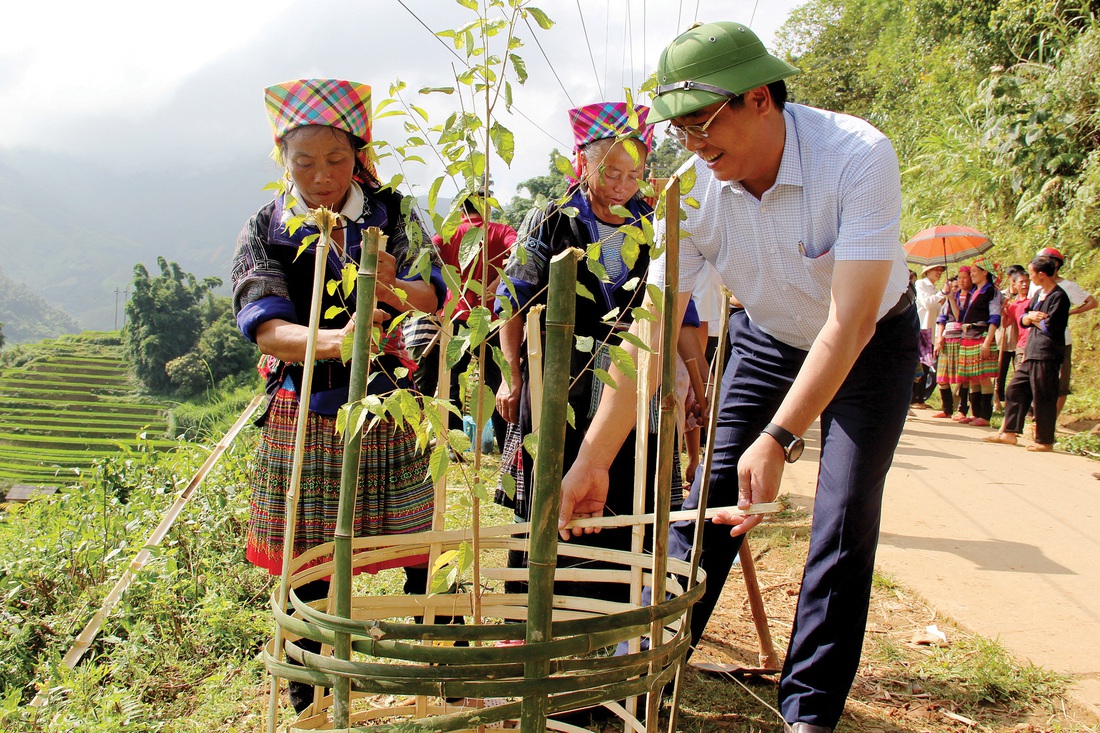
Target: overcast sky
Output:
{"points": [[156, 89]]}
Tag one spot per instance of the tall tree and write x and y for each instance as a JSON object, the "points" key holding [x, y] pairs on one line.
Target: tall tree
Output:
{"points": [[164, 320]]}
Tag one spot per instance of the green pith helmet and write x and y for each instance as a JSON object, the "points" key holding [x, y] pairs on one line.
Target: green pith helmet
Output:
{"points": [[711, 62]]}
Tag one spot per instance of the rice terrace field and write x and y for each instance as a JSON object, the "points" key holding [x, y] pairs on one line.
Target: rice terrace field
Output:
{"points": [[66, 402]]}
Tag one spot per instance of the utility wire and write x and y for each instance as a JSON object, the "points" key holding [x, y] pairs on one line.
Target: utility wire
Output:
{"points": [[418, 20], [552, 69], [753, 16], [591, 57]]}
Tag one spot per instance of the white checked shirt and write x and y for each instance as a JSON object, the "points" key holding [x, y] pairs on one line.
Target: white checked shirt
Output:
{"points": [[837, 197]]}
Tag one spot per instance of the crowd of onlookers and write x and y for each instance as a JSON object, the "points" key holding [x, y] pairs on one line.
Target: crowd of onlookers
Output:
{"points": [[993, 340]]}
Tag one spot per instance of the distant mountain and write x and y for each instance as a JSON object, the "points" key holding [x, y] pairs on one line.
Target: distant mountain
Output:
{"points": [[73, 232], [27, 317]]}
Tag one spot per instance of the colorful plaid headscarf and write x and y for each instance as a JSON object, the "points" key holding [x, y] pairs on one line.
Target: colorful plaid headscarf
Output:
{"points": [[604, 120], [608, 119], [344, 105]]}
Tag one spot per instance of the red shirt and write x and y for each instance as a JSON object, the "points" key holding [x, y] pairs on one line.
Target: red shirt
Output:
{"points": [[1015, 311], [499, 239]]}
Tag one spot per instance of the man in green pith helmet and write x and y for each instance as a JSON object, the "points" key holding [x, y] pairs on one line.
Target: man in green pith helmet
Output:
{"points": [[799, 213]]}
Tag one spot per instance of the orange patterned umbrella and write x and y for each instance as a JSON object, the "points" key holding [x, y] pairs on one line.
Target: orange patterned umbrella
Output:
{"points": [[945, 244]]}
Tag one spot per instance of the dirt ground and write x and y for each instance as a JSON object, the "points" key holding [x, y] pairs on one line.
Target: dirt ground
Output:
{"points": [[894, 690]]}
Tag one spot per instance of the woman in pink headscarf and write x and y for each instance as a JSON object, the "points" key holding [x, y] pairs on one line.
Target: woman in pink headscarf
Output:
{"points": [[612, 141], [321, 128]]}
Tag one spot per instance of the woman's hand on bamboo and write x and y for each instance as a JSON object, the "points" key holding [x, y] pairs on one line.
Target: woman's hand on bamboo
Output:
{"points": [[583, 494]]}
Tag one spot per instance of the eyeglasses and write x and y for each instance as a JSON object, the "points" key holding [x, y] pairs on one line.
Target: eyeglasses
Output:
{"points": [[696, 131]]}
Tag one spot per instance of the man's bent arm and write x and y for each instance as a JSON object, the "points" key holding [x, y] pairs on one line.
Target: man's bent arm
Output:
{"points": [[858, 287]]}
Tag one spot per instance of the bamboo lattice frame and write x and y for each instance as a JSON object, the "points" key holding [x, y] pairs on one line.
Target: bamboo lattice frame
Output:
{"points": [[529, 655]]}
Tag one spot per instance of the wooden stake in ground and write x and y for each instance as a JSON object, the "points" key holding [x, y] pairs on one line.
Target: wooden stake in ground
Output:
{"points": [[91, 630], [365, 299], [326, 222]]}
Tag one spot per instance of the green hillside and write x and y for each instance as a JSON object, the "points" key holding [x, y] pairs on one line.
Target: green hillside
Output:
{"points": [[65, 403]]}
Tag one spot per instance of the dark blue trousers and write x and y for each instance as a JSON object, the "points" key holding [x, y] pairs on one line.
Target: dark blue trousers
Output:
{"points": [[860, 429]]}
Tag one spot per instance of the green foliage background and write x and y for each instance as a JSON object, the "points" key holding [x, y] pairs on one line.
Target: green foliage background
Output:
{"points": [[993, 109]]}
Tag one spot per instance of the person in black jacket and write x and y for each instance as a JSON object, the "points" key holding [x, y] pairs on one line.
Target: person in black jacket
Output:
{"points": [[1036, 379]]}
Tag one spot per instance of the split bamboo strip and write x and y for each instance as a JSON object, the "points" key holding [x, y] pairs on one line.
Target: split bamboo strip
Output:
{"points": [[326, 222], [546, 502], [667, 421], [534, 364], [641, 472], [365, 300], [715, 373], [84, 641]]}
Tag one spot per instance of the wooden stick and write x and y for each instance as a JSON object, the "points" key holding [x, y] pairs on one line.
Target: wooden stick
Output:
{"points": [[91, 630], [768, 658], [682, 515], [662, 488], [320, 264]]}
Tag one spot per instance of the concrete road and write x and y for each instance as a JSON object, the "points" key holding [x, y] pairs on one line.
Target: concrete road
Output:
{"points": [[1002, 540]]}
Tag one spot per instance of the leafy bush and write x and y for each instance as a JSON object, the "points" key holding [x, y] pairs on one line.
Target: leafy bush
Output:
{"points": [[197, 609]]}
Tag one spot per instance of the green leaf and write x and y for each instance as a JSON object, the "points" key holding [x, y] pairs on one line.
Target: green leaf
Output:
{"points": [[438, 462], [570, 211], [541, 18], [570, 416], [642, 314], [508, 484], [691, 201], [478, 323], [306, 241], [502, 364], [611, 315], [622, 359], [459, 441], [621, 211], [330, 287], [456, 347], [687, 181], [346, 347], [504, 142], [519, 66], [634, 340], [630, 251], [437, 90], [333, 310], [585, 343], [531, 444], [349, 274], [563, 164], [632, 283], [584, 292], [470, 247], [656, 297], [598, 270], [604, 377]]}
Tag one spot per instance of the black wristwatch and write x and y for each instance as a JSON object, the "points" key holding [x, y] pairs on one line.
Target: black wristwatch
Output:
{"points": [[791, 444]]}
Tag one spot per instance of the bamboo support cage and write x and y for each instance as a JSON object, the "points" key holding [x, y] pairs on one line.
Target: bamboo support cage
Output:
{"points": [[528, 656]]}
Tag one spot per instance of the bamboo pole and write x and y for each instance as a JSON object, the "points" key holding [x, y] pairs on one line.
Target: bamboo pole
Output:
{"points": [[546, 502], [326, 221], [84, 641], [667, 422], [365, 300]]}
